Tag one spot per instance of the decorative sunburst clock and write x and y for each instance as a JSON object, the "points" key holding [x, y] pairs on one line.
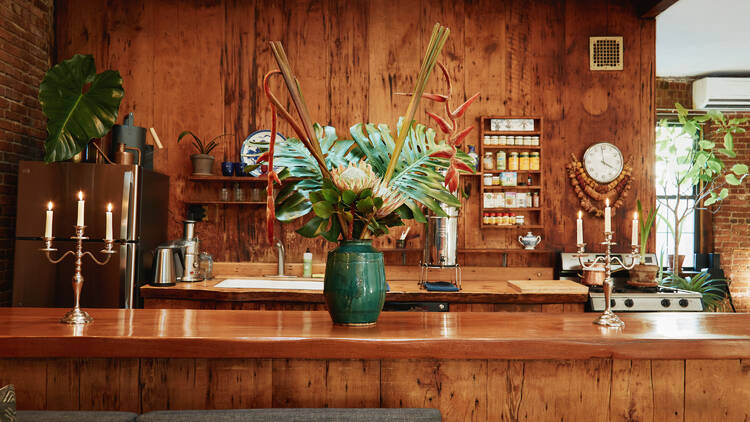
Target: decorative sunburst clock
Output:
{"points": [[603, 175]]}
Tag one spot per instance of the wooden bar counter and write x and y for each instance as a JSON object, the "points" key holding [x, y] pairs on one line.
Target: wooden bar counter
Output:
{"points": [[472, 366], [484, 289]]}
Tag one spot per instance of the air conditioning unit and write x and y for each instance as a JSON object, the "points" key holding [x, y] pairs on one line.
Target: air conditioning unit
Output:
{"points": [[722, 93]]}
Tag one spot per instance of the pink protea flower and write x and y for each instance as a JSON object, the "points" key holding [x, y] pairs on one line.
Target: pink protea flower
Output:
{"points": [[392, 199]]}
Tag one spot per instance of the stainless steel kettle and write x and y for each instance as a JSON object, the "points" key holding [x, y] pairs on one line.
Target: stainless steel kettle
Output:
{"points": [[165, 265]]}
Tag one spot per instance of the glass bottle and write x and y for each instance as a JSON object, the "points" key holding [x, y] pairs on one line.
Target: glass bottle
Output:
{"points": [[488, 161]]}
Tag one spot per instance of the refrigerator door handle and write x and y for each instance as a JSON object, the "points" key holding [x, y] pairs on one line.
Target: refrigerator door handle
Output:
{"points": [[128, 271]]}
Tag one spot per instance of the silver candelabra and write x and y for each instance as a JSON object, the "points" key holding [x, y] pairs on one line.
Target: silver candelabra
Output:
{"points": [[607, 318], [76, 315]]}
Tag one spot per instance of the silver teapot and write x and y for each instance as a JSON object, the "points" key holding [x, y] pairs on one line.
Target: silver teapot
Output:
{"points": [[529, 241]]}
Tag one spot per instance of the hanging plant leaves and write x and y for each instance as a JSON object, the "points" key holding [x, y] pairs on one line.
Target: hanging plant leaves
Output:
{"points": [[80, 105]]}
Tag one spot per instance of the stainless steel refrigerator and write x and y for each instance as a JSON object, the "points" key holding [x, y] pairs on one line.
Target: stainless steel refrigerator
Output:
{"points": [[139, 199]]}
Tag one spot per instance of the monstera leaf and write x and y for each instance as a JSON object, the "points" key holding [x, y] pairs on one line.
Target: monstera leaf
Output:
{"points": [[79, 104]]}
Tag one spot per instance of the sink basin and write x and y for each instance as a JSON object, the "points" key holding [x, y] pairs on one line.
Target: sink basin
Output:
{"points": [[265, 283]]}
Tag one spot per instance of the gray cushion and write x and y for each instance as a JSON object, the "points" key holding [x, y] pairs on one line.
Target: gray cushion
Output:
{"points": [[294, 415], [7, 403], [74, 415]]}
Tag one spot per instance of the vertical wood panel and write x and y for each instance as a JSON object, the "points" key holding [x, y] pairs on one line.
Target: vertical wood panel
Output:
{"points": [[110, 384], [199, 65], [321, 383], [239, 383], [708, 394], [668, 378], [29, 376], [62, 384], [457, 388]]}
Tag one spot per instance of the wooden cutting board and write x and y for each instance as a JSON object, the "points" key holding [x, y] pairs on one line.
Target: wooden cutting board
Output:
{"points": [[548, 286]]}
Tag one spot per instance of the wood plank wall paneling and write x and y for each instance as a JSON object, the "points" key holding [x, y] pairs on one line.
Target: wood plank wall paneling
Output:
{"points": [[463, 390], [199, 65]]}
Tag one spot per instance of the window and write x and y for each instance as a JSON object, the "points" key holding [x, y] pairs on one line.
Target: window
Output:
{"points": [[668, 170]]}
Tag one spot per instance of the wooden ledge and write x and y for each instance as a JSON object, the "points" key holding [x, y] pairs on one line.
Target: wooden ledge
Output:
{"points": [[172, 333]]}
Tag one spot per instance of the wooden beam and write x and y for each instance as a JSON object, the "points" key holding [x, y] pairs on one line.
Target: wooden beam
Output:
{"points": [[652, 8]]}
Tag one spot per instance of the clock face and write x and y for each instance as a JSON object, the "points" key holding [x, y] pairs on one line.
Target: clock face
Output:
{"points": [[603, 162]]}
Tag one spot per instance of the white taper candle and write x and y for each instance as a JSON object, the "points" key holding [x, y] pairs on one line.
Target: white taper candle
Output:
{"points": [[108, 233], [48, 221], [607, 217], [79, 220], [634, 235], [579, 229]]}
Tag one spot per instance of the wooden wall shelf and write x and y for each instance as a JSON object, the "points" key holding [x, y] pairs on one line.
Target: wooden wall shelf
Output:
{"points": [[246, 179], [534, 217]]}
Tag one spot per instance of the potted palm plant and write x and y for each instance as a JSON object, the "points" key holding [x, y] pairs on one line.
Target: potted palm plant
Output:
{"points": [[203, 161], [359, 187], [79, 104], [643, 275]]}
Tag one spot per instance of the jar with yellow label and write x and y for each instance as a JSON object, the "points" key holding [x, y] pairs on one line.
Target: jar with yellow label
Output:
{"points": [[534, 161], [513, 161], [523, 161]]}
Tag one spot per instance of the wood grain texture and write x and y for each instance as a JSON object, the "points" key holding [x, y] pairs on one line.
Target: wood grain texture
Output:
{"points": [[462, 389], [199, 65], [192, 334]]}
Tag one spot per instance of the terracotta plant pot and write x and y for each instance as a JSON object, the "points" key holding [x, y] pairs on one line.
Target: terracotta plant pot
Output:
{"points": [[203, 164], [680, 261], [643, 275]]}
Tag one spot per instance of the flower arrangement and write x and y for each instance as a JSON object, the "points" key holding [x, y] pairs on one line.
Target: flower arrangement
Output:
{"points": [[357, 188]]}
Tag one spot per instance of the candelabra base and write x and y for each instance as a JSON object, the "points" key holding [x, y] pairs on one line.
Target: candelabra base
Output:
{"points": [[76, 316], [609, 319]]}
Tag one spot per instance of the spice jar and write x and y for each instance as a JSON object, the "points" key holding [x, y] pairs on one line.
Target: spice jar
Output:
{"points": [[503, 140], [486, 140], [513, 161], [519, 220], [486, 218], [487, 162], [500, 158], [523, 161], [535, 199], [535, 140], [534, 163], [496, 180]]}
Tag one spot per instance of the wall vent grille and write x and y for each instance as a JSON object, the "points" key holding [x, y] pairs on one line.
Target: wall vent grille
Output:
{"points": [[605, 53]]}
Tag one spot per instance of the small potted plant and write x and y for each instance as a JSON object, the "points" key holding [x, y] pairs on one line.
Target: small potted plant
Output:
{"points": [[644, 275], [203, 162]]}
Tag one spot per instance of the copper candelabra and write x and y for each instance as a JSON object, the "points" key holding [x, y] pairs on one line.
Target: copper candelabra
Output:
{"points": [[607, 318], [76, 315]]}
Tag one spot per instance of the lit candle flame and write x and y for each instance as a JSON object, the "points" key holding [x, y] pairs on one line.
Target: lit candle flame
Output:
{"points": [[580, 214], [109, 207], [49, 205], [80, 195], [635, 215], [607, 201]]}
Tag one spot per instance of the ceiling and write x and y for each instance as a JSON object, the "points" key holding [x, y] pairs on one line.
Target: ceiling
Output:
{"points": [[703, 37]]}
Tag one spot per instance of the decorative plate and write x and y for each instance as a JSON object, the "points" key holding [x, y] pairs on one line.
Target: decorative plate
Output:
{"points": [[253, 147]]}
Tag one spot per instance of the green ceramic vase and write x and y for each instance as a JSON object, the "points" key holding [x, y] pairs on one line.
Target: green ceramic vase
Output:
{"points": [[355, 283]]}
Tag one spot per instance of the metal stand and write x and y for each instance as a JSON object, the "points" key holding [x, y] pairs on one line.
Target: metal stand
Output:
{"points": [[76, 315], [607, 318], [425, 268]]}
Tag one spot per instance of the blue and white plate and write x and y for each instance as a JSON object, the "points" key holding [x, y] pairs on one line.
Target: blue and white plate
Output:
{"points": [[253, 147]]}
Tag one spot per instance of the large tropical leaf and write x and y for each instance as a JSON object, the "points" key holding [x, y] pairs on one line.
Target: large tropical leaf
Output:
{"points": [[292, 201], [417, 175], [79, 104]]}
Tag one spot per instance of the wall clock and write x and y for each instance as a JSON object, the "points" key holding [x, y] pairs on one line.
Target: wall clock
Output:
{"points": [[603, 162]]}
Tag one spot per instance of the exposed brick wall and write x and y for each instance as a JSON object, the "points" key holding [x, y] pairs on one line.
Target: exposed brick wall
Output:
{"points": [[674, 90], [731, 226], [26, 43]]}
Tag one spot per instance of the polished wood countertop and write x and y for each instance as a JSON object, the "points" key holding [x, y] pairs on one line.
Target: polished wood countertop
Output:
{"points": [[179, 333], [480, 285]]}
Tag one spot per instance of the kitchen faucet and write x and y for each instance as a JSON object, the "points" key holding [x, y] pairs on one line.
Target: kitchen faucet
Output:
{"points": [[280, 247]]}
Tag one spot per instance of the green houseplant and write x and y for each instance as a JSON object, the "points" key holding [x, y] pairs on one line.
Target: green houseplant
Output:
{"points": [[643, 274], [713, 291], [203, 161], [80, 105], [360, 187], [695, 154]]}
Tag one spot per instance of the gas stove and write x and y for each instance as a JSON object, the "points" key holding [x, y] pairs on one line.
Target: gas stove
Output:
{"points": [[630, 299], [655, 299]]}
